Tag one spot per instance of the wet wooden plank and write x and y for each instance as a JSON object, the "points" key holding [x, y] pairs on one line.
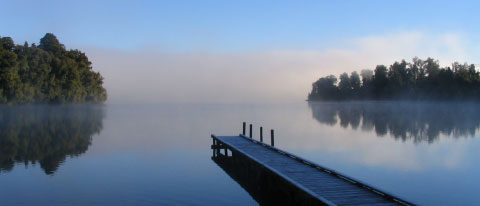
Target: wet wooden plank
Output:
{"points": [[333, 188]]}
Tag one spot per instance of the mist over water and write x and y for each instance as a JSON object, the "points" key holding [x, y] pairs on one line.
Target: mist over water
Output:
{"points": [[153, 75], [176, 72], [160, 153], [403, 120]]}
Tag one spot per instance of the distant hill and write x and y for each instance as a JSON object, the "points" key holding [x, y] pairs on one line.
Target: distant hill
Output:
{"points": [[416, 80], [47, 73]]}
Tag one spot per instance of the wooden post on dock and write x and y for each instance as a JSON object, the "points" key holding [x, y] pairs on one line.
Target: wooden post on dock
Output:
{"points": [[261, 134], [244, 127], [266, 170], [272, 140], [251, 131]]}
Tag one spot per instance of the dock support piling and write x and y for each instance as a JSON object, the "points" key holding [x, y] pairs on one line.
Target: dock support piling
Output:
{"points": [[267, 171], [244, 127], [213, 146], [272, 140], [251, 131], [261, 134]]}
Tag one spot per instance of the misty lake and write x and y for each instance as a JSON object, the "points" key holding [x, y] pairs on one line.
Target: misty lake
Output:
{"points": [[160, 154]]}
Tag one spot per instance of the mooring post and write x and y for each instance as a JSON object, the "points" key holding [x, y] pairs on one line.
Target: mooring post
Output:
{"points": [[261, 134], [244, 127], [272, 140], [251, 131]]}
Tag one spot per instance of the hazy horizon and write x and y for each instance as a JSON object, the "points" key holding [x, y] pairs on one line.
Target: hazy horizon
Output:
{"points": [[258, 76], [151, 52], [184, 78]]}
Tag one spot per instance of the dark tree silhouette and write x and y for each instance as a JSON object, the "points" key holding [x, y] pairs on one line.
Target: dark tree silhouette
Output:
{"points": [[47, 73], [324, 88], [417, 80]]}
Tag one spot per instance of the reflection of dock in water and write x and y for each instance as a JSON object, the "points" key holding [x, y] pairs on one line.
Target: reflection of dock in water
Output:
{"points": [[276, 177]]}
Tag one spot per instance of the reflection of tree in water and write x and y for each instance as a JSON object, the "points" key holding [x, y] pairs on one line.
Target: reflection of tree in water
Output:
{"points": [[46, 134], [422, 121]]}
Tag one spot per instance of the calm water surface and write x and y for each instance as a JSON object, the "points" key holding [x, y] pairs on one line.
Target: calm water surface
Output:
{"points": [[160, 154]]}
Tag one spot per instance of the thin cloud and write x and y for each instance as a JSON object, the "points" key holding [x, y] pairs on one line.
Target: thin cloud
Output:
{"points": [[273, 76]]}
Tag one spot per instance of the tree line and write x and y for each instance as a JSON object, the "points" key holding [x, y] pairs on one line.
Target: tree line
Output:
{"points": [[416, 80], [47, 73]]}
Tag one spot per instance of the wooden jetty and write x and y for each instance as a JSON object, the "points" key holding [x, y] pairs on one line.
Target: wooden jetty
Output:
{"points": [[276, 177]]}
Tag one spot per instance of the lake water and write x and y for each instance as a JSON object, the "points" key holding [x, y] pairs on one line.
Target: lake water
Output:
{"points": [[160, 154]]}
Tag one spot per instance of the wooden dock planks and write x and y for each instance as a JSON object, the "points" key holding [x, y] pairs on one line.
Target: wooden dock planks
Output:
{"points": [[328, 186]]}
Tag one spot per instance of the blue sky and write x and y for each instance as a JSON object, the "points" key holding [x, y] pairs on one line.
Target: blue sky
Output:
{"points": [[229, 25], [204, 51]]}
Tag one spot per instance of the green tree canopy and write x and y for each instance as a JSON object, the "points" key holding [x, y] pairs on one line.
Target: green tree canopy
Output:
{"points": [[417, 80], [47, 73]]}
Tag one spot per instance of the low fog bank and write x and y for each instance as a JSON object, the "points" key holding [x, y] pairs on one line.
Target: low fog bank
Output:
{"points": [[153, 76]]}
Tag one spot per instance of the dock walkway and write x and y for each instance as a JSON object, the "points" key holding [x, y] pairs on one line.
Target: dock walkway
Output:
{"points": [[326, 185]]}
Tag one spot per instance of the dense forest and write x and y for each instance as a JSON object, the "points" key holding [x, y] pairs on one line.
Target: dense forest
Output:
{"points": [[47, 73], [416, 80]]}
